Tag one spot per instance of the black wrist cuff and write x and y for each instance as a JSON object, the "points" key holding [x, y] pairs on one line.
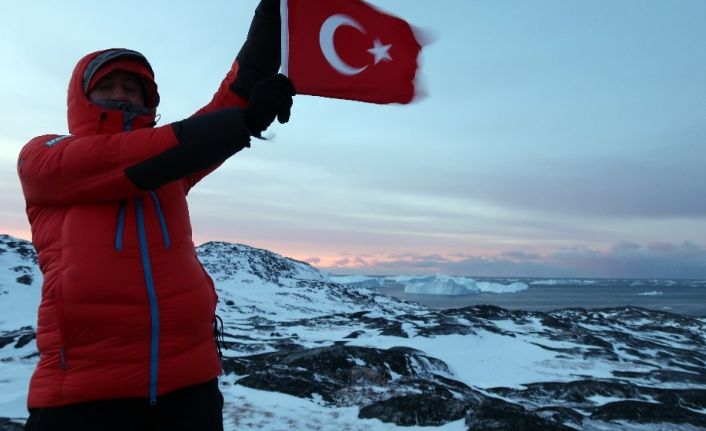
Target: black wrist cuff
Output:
{"points": [[204, 141]]}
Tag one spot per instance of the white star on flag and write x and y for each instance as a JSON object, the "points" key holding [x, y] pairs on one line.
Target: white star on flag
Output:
{"points": [[380, 51]]}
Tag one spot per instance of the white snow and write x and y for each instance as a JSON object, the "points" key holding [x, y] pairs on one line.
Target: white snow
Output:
{"points": [[14, 378], [13, 396], [21, 308], [488, 359]]}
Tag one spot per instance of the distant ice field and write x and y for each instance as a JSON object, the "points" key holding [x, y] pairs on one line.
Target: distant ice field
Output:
{"points": [[675, 296]]}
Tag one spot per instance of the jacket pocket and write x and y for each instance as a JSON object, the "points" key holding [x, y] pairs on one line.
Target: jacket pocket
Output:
{"points": [[61, 325]]}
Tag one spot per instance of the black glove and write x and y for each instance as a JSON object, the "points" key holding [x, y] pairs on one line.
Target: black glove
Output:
{"points": [[270, 98]]}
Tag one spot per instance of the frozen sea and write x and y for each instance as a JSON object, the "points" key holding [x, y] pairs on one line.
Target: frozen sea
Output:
{"points": [[675, 296]]}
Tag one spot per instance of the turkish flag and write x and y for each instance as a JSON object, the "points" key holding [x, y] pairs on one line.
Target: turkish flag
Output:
{"points": [[348, 49]]}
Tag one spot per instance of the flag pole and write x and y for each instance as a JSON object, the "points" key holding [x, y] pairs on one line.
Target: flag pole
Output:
{"points": [[284, 35]]}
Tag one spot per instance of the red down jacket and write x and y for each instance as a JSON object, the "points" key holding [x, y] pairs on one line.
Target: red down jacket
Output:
{"points": [[127, 309]]}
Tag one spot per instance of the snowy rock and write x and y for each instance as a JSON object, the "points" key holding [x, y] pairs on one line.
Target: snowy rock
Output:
{"points": [[7, 424], [417, 409], [499, 415], [19, 247], [335, 373], [18, 338], [229, 260], [649, 413]]}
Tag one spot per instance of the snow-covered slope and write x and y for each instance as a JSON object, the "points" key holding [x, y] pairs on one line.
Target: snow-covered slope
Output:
{"points": [[304, 352], [20, 289]]}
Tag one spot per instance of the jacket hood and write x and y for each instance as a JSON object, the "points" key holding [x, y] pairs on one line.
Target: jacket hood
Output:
{"points": [[86, 117]]}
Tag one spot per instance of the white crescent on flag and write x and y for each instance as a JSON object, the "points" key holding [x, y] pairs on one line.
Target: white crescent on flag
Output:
{"points": [[328, 29]]}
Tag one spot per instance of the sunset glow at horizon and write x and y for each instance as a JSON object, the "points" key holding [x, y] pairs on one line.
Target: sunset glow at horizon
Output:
{"points": [[557, 139]]}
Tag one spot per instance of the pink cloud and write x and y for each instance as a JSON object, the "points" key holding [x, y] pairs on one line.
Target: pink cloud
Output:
{"points": [[623, 260]]}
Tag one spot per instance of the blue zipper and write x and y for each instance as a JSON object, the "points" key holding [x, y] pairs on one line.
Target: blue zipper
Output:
{"points": [[62, 357], [152, 296], [121, 227], [128, 116], [162, 221]]}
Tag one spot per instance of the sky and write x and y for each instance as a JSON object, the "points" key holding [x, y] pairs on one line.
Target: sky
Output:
{"points": [[556, 138]]}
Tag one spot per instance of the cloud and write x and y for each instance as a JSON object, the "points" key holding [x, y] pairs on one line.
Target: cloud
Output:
{"points": [[659, 260], [622, 260], [517, 255], [653, 177], [354, 262]]}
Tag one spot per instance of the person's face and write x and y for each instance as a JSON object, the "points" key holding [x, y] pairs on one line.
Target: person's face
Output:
{"points": [[119, 86]]}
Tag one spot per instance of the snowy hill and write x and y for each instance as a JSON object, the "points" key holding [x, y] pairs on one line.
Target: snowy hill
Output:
{"points": [[304, 352]]}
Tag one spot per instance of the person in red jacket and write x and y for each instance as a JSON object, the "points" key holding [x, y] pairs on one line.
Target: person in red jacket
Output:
{"points": [[125, 328]]}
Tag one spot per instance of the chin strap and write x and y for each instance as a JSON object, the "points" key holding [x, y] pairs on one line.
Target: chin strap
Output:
{"points": [[130, 111]]}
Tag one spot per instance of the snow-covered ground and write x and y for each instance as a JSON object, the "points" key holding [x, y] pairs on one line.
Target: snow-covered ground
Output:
{"points": [[305, 351]]}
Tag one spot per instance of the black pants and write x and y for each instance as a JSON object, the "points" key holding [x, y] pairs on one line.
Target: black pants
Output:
{"points": [[196, 408]]}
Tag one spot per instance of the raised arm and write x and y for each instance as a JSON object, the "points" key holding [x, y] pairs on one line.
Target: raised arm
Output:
{"points": [[257, 60]]}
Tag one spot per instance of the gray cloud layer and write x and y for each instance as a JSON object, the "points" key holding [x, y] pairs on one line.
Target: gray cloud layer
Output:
{"points": [[623, 260]]}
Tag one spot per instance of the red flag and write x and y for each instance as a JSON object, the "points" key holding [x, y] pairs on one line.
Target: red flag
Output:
{"points": [[348, 49]]}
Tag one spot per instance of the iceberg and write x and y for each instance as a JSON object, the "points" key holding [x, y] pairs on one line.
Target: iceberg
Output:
{"points": [[445, 285], [514, 287], [439, 284]]}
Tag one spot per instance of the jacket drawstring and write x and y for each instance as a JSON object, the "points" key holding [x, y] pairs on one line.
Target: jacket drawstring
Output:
{"points": [[162, 220], [62, 358], [120, 229], [128, 116]]}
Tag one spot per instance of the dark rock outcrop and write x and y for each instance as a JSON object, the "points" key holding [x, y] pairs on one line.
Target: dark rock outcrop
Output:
{"points": [[499, 415], [7, 424], [649, 413], [416, 409]]}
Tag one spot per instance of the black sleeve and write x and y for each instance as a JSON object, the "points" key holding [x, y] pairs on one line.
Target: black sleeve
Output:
{"points": [[204, 141], [259, 57]]}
